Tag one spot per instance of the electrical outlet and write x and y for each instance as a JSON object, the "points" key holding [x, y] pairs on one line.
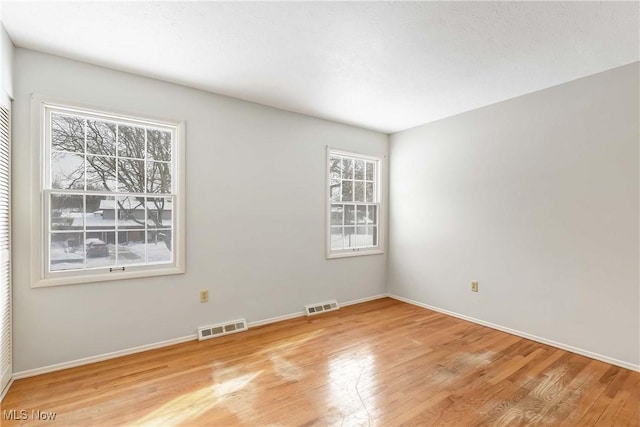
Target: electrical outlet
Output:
{"points": [[474, 286], [204, 296]]}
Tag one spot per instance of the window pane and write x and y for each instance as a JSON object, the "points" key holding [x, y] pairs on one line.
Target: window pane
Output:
{"points": [[100, 249], [369, 190], [66, 251], [159, 145], [347, 169], [101, 173], [100, 212], [67, 171], [347, 191], [131, 175], [361, 214], [359, 169], [362, 239], [349, 215], [67, 133], [130, 212], [67, 212], [159, 246], [371, 237], [159, 212], [371, 171], [349, 237], [131, 246], [335, 168], [131, 141], [372, 215], [359, 192], [337, 238], [336, 214], [101, 138], [158, 177], [334, 190]]}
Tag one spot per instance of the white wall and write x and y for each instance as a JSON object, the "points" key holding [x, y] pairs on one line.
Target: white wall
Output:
{"points": [[6, 62], [255, 219], [537, 199]]}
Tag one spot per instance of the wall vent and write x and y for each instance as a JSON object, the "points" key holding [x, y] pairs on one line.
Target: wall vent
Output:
{"points": [[321, 307], [212, 331]]}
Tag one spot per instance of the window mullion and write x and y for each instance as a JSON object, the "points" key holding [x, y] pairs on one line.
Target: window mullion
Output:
{"points": [[84, 208], [145, 189], [116, 218]]}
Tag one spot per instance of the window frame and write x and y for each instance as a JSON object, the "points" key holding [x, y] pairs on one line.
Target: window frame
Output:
{"points": [[41, 106], [380, 202]]}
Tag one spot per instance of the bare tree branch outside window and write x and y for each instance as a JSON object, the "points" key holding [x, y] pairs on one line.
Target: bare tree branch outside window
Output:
{"points": [[94, 155]]}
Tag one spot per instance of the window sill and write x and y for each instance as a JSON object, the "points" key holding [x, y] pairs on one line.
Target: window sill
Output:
{"points": [[347, 254], [103, 277]]}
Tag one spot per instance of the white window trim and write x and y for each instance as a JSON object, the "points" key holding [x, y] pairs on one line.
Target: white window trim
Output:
{"points": [[39, 166], [345, 253]]}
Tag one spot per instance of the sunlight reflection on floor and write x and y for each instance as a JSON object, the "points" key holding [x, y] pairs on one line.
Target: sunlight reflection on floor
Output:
{"points": [[292, 343], [285, 369], [352, 387], [191, 405]]}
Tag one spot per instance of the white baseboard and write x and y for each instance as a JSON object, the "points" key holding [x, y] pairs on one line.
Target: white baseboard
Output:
{"points": [[275, 319], [361, 300], [556, 344], [133, 350], [302, 313], [101, 357], [6, 389]]}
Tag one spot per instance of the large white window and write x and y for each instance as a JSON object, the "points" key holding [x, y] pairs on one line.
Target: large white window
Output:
{"points": [[354, 204], [111, 195]]}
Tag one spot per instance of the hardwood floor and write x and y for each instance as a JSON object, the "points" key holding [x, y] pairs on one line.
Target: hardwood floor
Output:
{"points": [[382, 362]]}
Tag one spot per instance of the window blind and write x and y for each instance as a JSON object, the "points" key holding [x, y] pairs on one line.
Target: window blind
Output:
{"points": [[5, 242]]}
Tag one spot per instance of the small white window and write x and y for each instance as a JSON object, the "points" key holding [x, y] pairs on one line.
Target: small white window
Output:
{"points": [[354, 204], [111, 195]]}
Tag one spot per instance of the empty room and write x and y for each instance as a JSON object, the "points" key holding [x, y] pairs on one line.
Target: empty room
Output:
{"points": [[319, 213]]}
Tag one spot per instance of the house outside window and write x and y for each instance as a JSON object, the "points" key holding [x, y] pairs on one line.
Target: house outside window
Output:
{"points": [[111, 195], [354, 208]]}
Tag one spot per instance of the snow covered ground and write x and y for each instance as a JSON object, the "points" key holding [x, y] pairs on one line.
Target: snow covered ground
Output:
{"points": [[156, 252], [66, 258], [340, 241]]}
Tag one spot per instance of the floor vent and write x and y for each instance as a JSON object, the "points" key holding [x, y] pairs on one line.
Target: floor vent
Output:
{"points": [[212, 331], [321, 307]]}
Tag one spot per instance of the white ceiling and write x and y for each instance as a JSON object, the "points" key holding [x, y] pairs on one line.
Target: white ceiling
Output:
{"points": [[386, 66]]}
